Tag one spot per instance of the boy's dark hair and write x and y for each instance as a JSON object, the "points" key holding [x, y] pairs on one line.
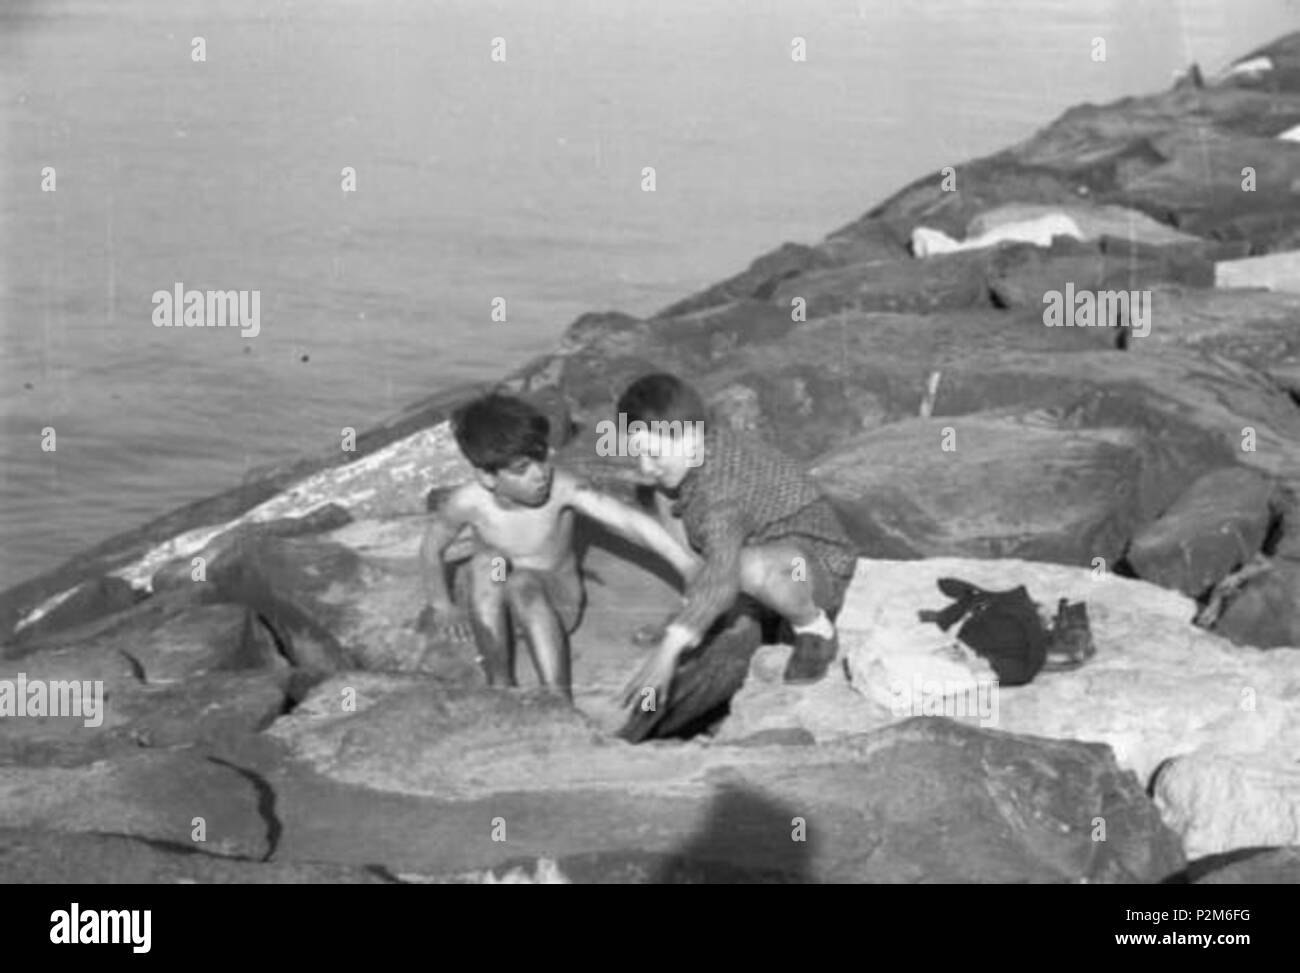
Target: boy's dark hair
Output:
{"points": [[496, 430], [661, 396]]}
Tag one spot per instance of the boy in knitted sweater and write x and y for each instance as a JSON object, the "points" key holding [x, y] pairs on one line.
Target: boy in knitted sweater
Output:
{"points": [[760, 524]]}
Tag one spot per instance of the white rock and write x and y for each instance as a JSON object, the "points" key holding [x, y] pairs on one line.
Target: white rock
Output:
{"points": [[927, 242], [1158, 688]]}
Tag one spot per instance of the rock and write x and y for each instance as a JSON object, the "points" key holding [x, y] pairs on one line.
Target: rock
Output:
{"points": [[1021, 278], [466, 743], [153, 795], [764, 274], [1007, 488], [1199, 189], [66, 858], [1276, 271], [206, 710], [270, 494], [727, 811], [1093, 222], [1278, 866], [767, 710], [1282, 71], [1220, 798], [982, 184], [1158, 688], [1253, 327], [1217, 524], [1039, 230], [941, 282], [171, 675], [85, 603], [972, 785], [1266, 612], [288, 583]]}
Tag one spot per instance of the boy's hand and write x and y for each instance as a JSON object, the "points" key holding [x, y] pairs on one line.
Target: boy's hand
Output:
{"points": [[449, 624], [656, 675]]}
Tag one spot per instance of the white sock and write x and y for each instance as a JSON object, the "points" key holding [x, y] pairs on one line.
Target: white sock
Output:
{"points": [[820, 626]]}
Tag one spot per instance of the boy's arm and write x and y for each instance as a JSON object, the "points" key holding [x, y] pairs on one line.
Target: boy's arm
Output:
{"points": [[710, 593], [444, 526], [634, 525], [715, 586]]}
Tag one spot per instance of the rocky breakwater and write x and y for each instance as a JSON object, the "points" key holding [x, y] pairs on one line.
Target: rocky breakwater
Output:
{"points": [[989, 410]]}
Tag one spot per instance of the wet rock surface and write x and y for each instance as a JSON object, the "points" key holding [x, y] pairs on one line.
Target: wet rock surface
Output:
{"points": [[262, 673]]}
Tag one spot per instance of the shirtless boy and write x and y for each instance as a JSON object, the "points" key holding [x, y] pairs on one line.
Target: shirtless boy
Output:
{"points": [[520, 508]]}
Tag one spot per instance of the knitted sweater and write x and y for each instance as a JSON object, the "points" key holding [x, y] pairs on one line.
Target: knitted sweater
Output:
{"points": [[746, 492]]}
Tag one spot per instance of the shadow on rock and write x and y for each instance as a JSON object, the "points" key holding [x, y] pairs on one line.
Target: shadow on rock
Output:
{"points": [[747, 837]]}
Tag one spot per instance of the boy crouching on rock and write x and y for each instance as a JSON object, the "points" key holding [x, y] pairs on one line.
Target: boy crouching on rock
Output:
{"points": [[760, 523], [524, 568]]}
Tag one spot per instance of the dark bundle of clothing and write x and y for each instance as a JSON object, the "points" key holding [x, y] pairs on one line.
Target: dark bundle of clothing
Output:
{"points": [[1005, 628]]}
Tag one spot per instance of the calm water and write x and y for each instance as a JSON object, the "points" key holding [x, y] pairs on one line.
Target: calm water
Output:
{"points": [[475, 180]]}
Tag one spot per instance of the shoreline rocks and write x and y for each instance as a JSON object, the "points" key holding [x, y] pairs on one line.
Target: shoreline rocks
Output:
{"points": [[260, 659]]}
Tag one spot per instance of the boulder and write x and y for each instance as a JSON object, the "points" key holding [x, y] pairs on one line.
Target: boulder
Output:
{"points": [[1021, 277], [87, 602], [941, 282], [1092, 221], [1003, 486], [758, 281], [36, 857], [1218, 523], [662, 811], [1220, 798], [1158, 688], [157, 795], [1277, 866], [1266, 612]]}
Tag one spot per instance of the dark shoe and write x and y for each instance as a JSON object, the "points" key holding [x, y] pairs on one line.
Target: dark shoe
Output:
{"points": [[812, 657]]}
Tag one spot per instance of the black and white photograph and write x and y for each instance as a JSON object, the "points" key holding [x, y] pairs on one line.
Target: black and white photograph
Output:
{"points": [[461, 442]]}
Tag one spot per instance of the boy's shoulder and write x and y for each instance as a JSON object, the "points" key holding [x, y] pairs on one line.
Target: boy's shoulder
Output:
{"points": [[567, 484], [737, 456], [464, 501]]}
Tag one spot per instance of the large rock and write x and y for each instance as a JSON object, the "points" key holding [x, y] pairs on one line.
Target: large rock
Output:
{"points": [[297, 488], [1278, 866], [1023, 276], [1220, 522], [160, 796], [928, 800], [1225, 796], [174, 669], [1266, 612], [38, 857], [1158, 688], [1002, 486]]}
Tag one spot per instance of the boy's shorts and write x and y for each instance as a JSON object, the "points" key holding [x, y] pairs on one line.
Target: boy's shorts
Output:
{"points": [[831, 570], [568, 599]]}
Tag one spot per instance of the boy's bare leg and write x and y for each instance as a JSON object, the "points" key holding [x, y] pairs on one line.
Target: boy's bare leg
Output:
{"points": [[487, 613], [781, 577], [527, 597], [788, 582]]}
